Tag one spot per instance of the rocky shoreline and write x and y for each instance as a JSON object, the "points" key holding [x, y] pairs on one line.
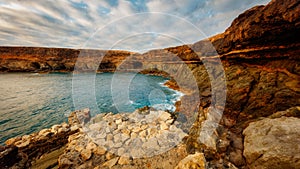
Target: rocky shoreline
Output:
{"points": [[149, 138], [105, 140]]}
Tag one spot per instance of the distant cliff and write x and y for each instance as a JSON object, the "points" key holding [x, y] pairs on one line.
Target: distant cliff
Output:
{"points": [[37, 59]]}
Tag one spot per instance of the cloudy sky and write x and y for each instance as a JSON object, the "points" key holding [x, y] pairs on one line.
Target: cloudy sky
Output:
{"points": [[136, 25]]}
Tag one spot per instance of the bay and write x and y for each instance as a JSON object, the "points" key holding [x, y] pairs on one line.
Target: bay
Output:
{"points": [[30, 102]]}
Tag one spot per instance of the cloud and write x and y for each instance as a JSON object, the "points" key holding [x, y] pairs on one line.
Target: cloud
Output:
{"points": [[123, 24]]}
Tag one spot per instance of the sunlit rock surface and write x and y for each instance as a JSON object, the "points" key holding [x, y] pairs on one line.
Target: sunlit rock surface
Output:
{"points": [[273, 143]]}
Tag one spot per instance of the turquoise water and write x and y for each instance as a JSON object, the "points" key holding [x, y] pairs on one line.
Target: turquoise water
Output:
{"points": [[30, 102]]}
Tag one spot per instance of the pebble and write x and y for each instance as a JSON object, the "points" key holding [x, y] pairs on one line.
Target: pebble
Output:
{"points": [[101, 135], [110, 163], [152, 132], [121, 151], [109, 144], [143, 122], [100, 141], [151, 143], [109, 156], [74, 136], [95, 126], [91, 146], [74, 128], [113, 125], [169, 122], [65, 125], [124, 160], [126, 132], [117, 138], [125, 137], [54, 128], [62, 130], [118, 121], [164, 126], [144, 126], [20, 144], [137, 152], [137, 129], [125, 118], [99, 150], [110, 137], [43, 132], [121, 127], [127, 142], [79, 148], [182, 135], [143, 133], [164, 116], [12, 140], [173, 128], [86, 154]]}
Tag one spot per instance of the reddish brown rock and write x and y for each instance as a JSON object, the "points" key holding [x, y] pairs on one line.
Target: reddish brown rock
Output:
{"points": [[274, 25], [36, 59]]}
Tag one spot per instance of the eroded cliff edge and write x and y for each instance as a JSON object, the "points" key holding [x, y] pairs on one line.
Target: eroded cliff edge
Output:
{"points": [[260, 57]]}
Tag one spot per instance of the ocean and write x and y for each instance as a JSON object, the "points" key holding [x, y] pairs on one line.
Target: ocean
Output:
{"points": [[30, 102]]}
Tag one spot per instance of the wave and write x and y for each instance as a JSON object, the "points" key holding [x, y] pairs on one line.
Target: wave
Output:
{"points": [[177, 94], [165, 106]]}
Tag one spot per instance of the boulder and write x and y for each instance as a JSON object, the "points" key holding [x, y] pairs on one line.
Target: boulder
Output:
{"points": [[273, 143], [79, 116]]}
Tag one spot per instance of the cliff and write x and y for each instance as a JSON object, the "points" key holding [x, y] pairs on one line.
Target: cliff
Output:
{"points": [[274, 25], [259, 56], [36, 59]]}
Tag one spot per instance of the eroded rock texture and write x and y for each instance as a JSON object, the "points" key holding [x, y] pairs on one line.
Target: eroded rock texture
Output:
{"points": [[273, 143]]}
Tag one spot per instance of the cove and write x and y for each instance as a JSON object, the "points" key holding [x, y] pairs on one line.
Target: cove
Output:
{"points": [[30, 101]]}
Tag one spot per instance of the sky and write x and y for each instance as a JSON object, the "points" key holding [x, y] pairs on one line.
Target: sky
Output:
{"points": [[134, 25]]}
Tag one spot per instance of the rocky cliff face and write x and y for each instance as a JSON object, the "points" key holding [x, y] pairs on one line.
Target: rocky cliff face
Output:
{"points": [[260, 55], [260, 58], [32, 59], [276, 24]]}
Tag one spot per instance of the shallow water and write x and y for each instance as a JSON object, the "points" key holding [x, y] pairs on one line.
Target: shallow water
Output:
{"points": [[30, 102]]}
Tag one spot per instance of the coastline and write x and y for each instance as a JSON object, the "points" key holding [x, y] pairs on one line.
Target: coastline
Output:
{"points": [[40, 140], [170, 105], [60, 143], [182, 93]]}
